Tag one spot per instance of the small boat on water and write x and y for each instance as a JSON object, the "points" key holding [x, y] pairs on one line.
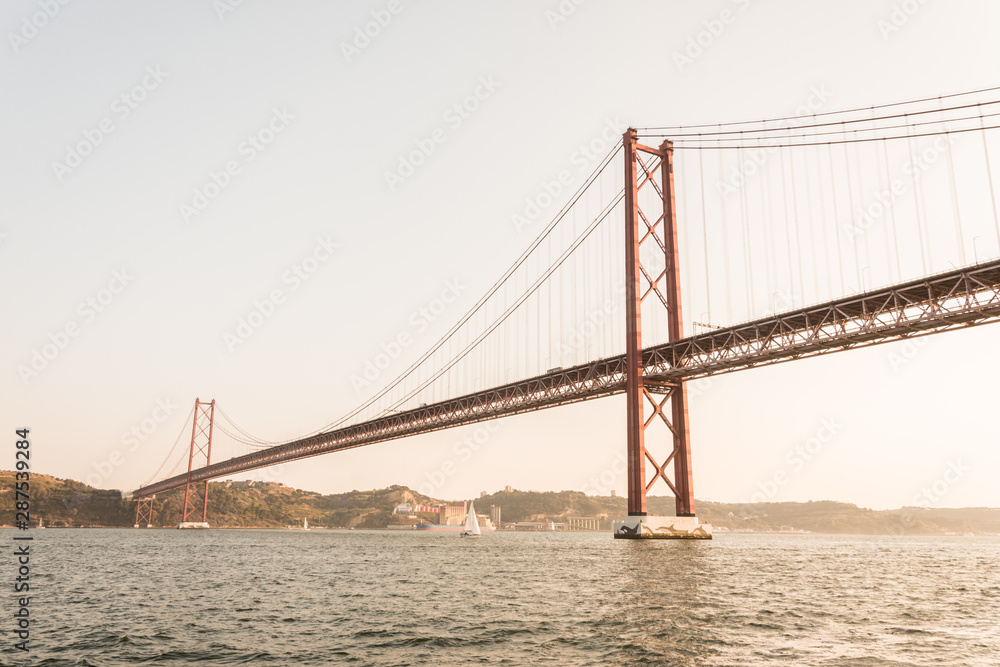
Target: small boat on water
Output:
{"points": [[305, 524], [471, 524], [436, 528]]}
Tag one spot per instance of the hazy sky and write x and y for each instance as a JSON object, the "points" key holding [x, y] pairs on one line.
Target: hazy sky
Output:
{"points": [[141, 220]]}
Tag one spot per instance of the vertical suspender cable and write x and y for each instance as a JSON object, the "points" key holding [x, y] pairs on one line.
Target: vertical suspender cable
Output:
{"points": [[584, 265], [518, 345], [573, 261], [684, 225], [850, 203], [765, 215], [537, 360], [885, 197], [725, 249], [602, 285], [548, 302], [916, 200], [812, 226], [788, 242], [836, 221], [861, 212], [892, 212], [745, 217], [959, 237], [704, 234], [989, 175], [798, 232], [824, 227]]}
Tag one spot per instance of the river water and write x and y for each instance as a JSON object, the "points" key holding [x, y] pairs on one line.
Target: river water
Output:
{"points": [[227, 597]]}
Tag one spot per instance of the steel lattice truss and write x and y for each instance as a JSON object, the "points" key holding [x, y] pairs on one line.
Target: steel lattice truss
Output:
{"points": [[144, 512], [947, 301], [196, 499], [961, 298]]}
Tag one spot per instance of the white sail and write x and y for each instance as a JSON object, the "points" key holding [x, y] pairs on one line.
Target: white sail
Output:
{"points": [[305, 524], [471, 523]]}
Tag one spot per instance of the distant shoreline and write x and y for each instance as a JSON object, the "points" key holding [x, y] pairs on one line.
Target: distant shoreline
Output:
{"points": [[64, 503], [718, 532]]}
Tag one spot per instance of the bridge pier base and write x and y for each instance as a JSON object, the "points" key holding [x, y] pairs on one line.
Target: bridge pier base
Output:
{"points": [[662, 528]]}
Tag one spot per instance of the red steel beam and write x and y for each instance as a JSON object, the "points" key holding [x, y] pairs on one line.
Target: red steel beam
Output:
{"points": [[634, 425], [683, 475]]}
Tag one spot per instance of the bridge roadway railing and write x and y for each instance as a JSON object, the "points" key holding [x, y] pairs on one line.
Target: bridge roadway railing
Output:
{"points": [[960, 298]]}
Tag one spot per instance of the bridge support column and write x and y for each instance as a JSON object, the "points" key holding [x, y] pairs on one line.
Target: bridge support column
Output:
{"points": [[196, 494], [144, 512], [652, 270]]}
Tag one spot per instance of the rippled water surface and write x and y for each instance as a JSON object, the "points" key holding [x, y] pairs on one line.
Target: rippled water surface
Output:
{"points": [[226, 597]]}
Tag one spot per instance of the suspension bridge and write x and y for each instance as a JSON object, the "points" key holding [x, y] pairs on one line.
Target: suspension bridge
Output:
{"points": [[787, 238]]}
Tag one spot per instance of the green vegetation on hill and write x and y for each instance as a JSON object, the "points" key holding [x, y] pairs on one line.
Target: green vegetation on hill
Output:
{"points": [[549, 505], [844, 518], [273, 505], [64, 502]]}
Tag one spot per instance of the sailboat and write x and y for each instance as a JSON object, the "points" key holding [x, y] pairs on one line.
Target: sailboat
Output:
{"points": [[305, 524], [471, 523]]}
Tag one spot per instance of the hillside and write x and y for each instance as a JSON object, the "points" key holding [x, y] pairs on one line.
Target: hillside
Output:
{"points": [[67, 503], [817, 517]]}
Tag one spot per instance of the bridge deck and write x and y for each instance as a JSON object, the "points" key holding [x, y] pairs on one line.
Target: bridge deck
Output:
{"points": [[961, 298]]}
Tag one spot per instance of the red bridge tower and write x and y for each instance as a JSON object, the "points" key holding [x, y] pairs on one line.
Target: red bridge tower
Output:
{"points": [[652, 271]]}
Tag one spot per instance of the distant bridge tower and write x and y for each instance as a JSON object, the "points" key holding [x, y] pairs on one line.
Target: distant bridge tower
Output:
{"points": [[195, 495], [144, 512], [652, 271]]}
